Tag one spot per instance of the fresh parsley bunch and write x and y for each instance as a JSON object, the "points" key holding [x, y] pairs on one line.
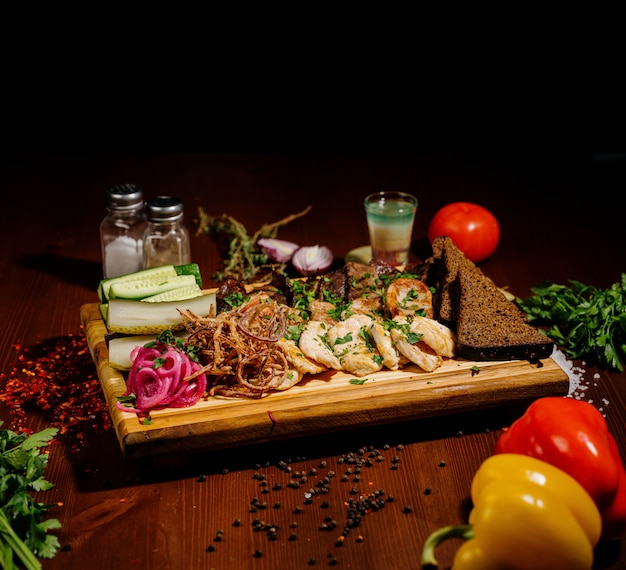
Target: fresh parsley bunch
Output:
{"points": [[587, 322], [23, 532]]}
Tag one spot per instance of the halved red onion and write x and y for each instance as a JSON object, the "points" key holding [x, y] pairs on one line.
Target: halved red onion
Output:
{"points": [[311, 260], [278, 250]]}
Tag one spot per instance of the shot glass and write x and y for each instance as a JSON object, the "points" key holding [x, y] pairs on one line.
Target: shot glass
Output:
{"points": [[390, 216]]}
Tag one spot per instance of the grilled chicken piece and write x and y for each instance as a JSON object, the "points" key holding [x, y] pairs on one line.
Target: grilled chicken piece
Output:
{"points": [[291, 377], [392, 358], [408, 297], [298, 360], [436, 341], [439, 337], [350, 342], [370, 306], [320, 312], [419, 353], [313, 344]]}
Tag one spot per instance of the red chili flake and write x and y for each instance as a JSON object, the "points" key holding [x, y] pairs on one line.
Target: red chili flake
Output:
{"points": [[272, 418], [59, 377]]}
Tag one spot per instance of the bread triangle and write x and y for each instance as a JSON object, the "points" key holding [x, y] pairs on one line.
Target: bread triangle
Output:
{"points": [[488, 326]]}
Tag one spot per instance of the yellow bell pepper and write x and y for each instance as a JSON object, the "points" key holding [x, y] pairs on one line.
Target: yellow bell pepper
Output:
{"points": [[526, 514]]}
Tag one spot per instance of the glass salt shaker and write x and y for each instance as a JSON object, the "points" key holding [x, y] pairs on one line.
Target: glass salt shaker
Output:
{"points": [[121, 231], [166, 239]]}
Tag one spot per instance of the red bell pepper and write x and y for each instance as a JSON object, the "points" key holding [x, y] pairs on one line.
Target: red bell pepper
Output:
{"points": [[573, 436]]}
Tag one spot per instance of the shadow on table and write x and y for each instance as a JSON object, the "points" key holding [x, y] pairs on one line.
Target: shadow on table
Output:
{"points": [[76, 271], [101, 463]]}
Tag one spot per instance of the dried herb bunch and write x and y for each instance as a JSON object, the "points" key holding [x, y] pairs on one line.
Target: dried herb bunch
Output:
{"points": [[242, 257]]}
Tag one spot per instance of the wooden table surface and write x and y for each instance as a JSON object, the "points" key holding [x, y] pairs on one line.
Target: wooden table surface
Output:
{"points": [[238, 507]]}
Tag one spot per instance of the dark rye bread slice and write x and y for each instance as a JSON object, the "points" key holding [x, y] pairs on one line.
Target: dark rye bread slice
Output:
{"points": [[447, 261], [488, 326]]}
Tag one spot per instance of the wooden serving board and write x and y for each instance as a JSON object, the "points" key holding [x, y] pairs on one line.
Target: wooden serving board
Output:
{"points": [[319, 403]]}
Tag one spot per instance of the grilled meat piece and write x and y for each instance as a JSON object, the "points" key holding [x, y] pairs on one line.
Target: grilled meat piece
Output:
{"points": [[229, 287], [383, 268], [352, 281], [313, 343], [409, 297], [334, 285], [362, 281], [351, 344]]}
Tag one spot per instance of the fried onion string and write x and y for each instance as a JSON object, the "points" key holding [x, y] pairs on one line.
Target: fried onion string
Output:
{"points": [[237, 350]]}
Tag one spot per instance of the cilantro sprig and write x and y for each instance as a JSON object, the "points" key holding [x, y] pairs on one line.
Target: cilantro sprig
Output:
{"points": [[587, 322], [23, 532]]}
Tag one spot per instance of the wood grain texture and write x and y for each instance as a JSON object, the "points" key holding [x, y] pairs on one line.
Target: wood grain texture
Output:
{"points": [[319, 403]]}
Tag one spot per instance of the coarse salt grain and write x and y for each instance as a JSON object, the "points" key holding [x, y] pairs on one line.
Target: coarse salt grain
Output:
{"points": [[576, 374]]}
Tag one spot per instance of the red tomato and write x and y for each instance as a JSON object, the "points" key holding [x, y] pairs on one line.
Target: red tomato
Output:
{"points": [[472, 228]]}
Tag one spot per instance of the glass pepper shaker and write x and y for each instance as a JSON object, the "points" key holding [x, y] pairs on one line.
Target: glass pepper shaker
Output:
{"points": [[121, 231], [166, 239]]}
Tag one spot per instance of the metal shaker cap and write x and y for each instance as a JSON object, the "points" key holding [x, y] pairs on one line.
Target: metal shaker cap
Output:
{"points": [[164, 209], [124, 196]]}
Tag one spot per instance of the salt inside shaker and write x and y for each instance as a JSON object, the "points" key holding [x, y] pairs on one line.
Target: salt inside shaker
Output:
{"points": [[121, 231], [166, 239]]}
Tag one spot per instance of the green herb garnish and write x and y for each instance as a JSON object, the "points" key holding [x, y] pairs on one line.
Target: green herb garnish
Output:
{"points": [[344, 339], [235, 299], [414, 338], [180, 344], [23, 533], [585, 321]]}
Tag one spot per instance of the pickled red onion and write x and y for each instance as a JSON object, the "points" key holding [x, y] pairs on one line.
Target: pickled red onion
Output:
{"points": [[162, 376]]}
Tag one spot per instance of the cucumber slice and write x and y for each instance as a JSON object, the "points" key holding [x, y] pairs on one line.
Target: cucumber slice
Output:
{"points": [[121, 347], [190, 269], [153, 272], [137, 318], [138, 289], [179, 294]]}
